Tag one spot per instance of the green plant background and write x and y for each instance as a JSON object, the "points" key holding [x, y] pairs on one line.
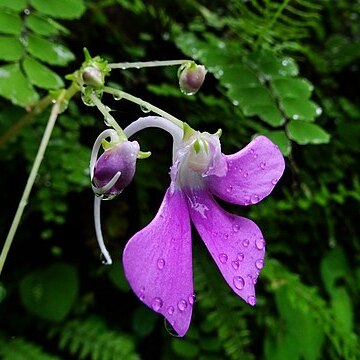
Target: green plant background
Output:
{"points": [[287, 69]]}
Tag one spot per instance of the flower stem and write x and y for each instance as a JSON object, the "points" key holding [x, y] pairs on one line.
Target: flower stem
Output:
{"points": [[30, 182], [110, 121], [144, 104], [138, 65]]}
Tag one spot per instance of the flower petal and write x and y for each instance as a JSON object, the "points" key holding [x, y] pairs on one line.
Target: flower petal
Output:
{"points": [[235, 243], [252, 173], [158, 262]]}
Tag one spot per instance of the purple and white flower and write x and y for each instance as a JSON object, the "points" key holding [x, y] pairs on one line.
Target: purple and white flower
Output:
{"points": [[158, 259]]}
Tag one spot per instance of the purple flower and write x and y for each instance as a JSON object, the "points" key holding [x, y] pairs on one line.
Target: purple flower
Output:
{"points": [[158, 259]]}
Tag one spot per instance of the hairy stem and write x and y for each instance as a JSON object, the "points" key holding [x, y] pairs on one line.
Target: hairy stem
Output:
{"points": [[138, 65], [30, 182], [144, 104]]}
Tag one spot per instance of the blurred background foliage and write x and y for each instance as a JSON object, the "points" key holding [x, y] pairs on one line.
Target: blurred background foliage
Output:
{"points": [[288, 69]]}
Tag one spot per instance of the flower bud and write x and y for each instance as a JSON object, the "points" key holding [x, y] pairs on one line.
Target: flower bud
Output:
{"points": [[92, 76], [191, 77], [118, 159]]}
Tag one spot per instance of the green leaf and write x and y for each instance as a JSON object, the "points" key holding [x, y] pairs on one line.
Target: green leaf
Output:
{"points": [[185, 348], [343, 309], [334, 266], [64, 9], [15, 87], [40, 75], [11, 48], [117, 277], [292, 87], [280, 138], [304, 133], [50, 293], [43, 25], [10, 23], [144, 321], [48, 51], [16, 5], [300, 109]]}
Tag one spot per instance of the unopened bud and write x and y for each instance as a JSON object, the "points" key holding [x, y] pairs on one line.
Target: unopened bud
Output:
{"points": [[92, 76], [116, 163], [191, 77]]}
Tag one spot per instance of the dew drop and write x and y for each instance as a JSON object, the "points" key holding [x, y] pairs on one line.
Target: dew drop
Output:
{"points": [[245, 175], [238, 282], [236, 228], [229, 189], [247, 199], [226, 236], [259, 264], [144, 109], [262, 165], [274, 181], [251, 300], [235, 103], [142, 293], [255, 199], [255, 156], [240, 256], [245, 242], [170, 310], [235, 264], [318, 111], [117, 97], [182, 305], [160, 264], [254, 281], [295, 117], [223, 258], [191, 299], [156, 304], [260, 243]]}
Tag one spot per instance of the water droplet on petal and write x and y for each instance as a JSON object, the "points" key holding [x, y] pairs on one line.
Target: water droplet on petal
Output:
{"points": [[229, 189], [245, 175], [274, 181], [191, 299], [255, 156], [240, 256], [223, 258], [251, 300], [259, 264], [156, 304], [247, 199], [235, 264], [226, 236], [260, 243], [170, 310], [255, 199], [236, 228], [262, 165], [238, 282], [245, 242], [160, 264], [182, 305]]}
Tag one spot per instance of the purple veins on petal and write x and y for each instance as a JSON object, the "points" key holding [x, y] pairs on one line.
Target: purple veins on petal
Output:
{"points": [[166, 241]]}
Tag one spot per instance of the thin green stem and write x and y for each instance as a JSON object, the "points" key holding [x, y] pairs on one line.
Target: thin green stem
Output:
{"points": [[108, 118], [142, 64], [30, 182], [144, 104]]}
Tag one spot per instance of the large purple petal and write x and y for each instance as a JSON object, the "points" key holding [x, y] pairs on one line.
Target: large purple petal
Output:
{"points": [[235, 243], [252, 173], [158, 262]]}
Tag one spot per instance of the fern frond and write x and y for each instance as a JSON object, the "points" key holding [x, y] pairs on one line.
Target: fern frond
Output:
{"points": [[21, 349], [91, 338]]}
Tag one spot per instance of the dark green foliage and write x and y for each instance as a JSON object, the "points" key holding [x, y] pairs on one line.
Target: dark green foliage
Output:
{"points": [[285, 69]]}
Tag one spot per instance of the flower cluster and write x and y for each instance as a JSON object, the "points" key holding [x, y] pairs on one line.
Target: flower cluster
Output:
{"points": [[158, 259]]}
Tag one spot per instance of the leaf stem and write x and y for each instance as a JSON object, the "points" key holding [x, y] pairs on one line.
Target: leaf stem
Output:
{"points": [[144, 104], [31, 179], [142, 64]]}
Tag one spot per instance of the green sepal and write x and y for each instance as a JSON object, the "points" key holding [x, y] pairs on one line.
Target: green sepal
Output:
{"points": [[219, 133], [143, 154], [188, 131]]}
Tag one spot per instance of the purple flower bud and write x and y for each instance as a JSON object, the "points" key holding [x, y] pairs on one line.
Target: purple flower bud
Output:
{"points": [[191, 77], [116, 163]]}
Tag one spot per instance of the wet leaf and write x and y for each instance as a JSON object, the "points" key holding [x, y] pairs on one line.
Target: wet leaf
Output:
{"points": [[304, 132]]}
